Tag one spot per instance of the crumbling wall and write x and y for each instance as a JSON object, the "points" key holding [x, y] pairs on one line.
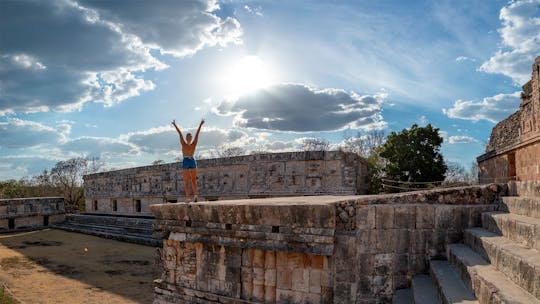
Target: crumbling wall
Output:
{"points": [[30, 213], [261, 175], [512, 152], [344, 249]]}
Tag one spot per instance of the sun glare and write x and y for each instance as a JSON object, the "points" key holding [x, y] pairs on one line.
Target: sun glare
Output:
{"points": [[248, 74]]}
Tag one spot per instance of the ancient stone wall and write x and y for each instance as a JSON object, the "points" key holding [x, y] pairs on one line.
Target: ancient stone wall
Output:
{"points": [[325, 249], [513, 151], [264, 175], [30, 213]]}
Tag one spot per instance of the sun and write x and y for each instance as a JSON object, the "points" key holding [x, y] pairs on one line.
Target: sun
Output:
{"points": [[248, 74]]}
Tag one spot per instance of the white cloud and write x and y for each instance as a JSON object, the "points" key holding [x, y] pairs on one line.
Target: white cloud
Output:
{"points": [[101, 147], [96, 51], [461, 139], [164, 139], [493, 109], [464, 58], [300, 108], [254, 10], [520, 35], [19, 134]]}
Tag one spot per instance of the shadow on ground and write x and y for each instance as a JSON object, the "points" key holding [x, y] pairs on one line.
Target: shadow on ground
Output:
{"points": [[70, 267]]}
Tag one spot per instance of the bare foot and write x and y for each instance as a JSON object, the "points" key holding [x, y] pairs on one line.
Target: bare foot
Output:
{"points": [[195, 198]]}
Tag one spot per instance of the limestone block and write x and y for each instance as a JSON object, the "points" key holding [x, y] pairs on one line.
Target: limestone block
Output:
{"points": [[425, 216], [284, 278], [405, 217], [384, 217], [365, 217]]}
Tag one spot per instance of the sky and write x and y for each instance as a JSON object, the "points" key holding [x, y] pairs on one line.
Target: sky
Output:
{"points": [[98, 78]]}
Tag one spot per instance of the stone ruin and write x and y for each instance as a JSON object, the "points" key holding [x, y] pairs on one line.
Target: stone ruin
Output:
{"points": [[513, 152], [132, 191], [457, 245], [23, 214]]}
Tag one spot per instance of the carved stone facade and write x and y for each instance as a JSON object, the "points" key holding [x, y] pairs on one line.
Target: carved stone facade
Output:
{"points": [[513, 152], [30, 213], [325, 249], [132, 191]]}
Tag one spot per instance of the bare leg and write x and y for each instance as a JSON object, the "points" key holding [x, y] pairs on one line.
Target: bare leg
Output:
{"points": [[193, 173], [186, 174]]}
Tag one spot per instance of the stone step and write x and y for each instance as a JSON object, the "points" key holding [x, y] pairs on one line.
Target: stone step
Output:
{"points": [[527, 206], [403, 296], [137, 239], [110, 220], [522, 229], [424, 290], [519, 263], [115, 229], [449, 284], [488, 284]]}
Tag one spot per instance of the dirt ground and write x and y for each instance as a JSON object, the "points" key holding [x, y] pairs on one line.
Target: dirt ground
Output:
{"points": [[54, 266]]}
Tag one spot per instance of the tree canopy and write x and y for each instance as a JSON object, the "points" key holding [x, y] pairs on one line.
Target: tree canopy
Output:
{"points": [[413, 155]]}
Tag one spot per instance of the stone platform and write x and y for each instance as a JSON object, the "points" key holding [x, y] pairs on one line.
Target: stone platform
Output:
{"points": [[133, 229], [326, 249]]}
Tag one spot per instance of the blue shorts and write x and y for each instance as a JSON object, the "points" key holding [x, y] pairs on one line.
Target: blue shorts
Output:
{"points": [[189, 163]]}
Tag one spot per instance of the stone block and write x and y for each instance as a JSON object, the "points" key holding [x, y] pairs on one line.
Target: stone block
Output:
{"points": [[270, 277], [425, 216], [386, 240], [284, 278], [383, 263], [258, 293], [295, 260], [284, 296], [281, 259], [247, 290], [258, 276], [384, 216], [315, 281], [366, 263], [365, 217], [315, 261], [269, 294], [270, 259], [300, 280], [258, 258], [366, 241], [405, 216]]}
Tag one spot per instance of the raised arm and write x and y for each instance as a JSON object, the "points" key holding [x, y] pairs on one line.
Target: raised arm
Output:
{"points": [[198, 131], [182, 141]]}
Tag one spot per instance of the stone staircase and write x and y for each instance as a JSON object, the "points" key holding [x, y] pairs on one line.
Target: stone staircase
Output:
{"points": [[133, 229], [497, 263]]}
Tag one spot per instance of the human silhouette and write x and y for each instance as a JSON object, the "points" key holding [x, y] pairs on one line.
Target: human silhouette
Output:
{"points": [[189, 164]]}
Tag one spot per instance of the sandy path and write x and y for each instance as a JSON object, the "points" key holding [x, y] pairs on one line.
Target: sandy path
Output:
{"points": [[53, 266]]}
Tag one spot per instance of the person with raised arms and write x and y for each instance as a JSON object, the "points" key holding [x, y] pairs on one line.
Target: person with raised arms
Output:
{"points": [[189, 164]]}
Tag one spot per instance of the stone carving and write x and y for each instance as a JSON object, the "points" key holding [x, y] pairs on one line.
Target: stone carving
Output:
{"points": [[513, 152], [263, 175]]}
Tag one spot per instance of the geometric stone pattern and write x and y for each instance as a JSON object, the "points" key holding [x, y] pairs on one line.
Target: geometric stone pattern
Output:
{"points": [[513, 152], [249, 176], [30, 213], [333, 249]]}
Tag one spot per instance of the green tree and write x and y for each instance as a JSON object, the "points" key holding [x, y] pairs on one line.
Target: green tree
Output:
{"points": [[413, 155]]}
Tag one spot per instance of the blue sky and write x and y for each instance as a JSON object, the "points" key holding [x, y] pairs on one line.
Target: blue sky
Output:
{"points": [[105, 78]]}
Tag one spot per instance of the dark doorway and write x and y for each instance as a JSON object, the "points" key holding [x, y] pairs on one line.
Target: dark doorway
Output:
{"points": [[11, 223], [511, 166], [95, 206], [45, 220], [137, 205], [114, 205]]}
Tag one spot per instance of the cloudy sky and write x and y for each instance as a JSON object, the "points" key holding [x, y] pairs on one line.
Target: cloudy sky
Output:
{"points": [[105, 78]]}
